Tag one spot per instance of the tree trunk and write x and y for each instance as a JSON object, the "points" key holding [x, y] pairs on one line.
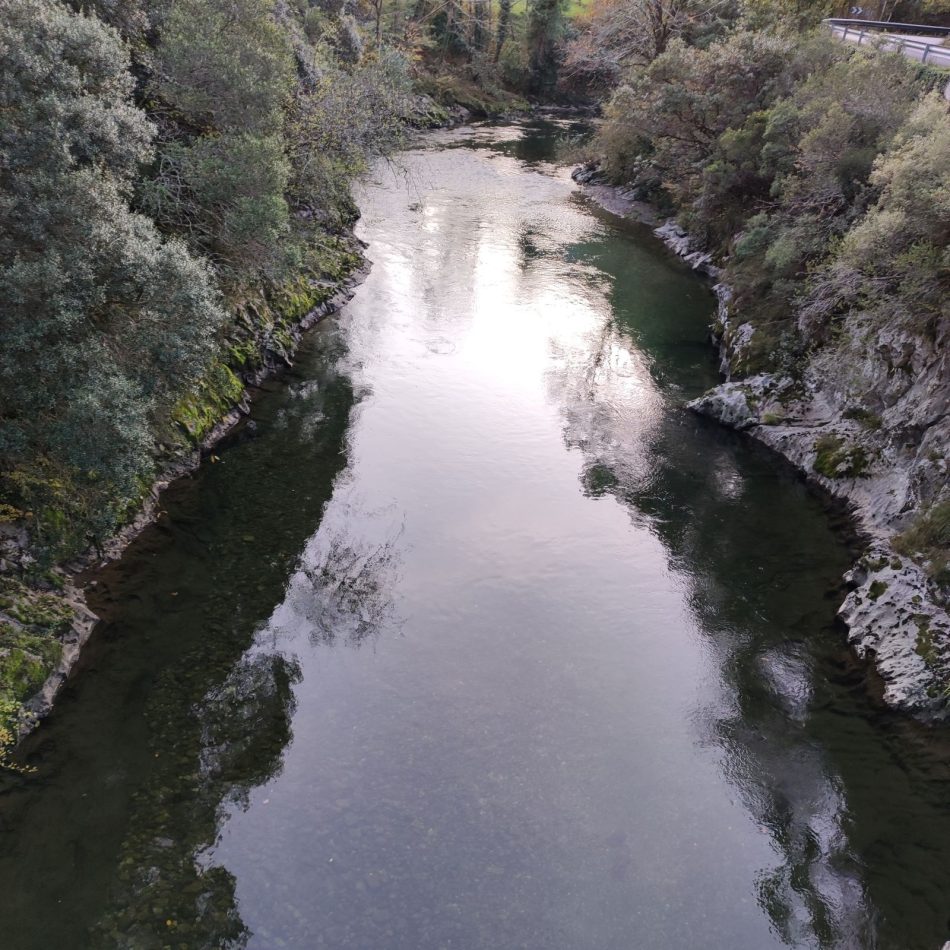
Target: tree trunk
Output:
{"points": [[504, 13]]}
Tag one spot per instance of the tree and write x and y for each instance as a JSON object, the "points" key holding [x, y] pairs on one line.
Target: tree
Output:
{"points": [[623, 33], [893, 265], [103, 321], [504, 16], [225, 69], [545, 29]]}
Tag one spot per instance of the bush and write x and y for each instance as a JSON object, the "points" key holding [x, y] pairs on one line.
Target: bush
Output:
{"points": [[103, 321], [929, 540]]}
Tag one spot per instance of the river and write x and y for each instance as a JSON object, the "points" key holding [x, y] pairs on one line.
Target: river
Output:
{"points": [[479, 639]]}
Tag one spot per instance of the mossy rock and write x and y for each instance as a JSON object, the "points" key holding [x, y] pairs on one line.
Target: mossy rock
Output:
{"points": [[199, 411], [866, 418], [876, 589], [26, 660], [45, 613], [925, 646], [28, 654]]}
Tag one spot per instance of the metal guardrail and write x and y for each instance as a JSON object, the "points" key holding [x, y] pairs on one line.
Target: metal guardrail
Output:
{"points": [[918, 29], [888, 36]]}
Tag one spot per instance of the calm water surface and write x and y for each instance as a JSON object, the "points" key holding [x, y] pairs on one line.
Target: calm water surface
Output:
{"points": [[480, 640]]}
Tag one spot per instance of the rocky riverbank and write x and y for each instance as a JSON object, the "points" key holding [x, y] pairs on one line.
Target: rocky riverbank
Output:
{"points": [[886, 461], [46, 621]]}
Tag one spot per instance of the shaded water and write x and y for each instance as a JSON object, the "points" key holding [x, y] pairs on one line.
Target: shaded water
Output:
{"points": [[482, 641]]}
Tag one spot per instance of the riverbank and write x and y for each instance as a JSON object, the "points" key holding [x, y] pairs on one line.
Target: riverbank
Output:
{"points": [[895, 614], [44, 618], [424, 618], [46, 622]]}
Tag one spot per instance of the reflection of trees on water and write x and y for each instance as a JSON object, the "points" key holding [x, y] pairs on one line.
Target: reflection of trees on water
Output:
{"points": [[219, 724], [609, 407], [351, 583], [245, 724], [218, 750], [755, 552], [220, 716]]}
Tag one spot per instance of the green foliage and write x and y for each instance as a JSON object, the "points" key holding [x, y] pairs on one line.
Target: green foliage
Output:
{"points": [[545, 28], [130, 208], [817, 171], [336, 126], [674, 109], [102, 320], [836, 458], [929, 540], [893, 264], [224, 64], [619, 34], [226, 193], [224, 70], [119, 223], [799, 14]]}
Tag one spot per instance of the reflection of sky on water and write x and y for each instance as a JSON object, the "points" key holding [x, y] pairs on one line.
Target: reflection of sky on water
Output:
{"points": [[490, 290]]}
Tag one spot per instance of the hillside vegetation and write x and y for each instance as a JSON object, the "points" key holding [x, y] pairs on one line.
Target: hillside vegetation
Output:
{"points": [[174, 198], [816, 175], [173, 192]]}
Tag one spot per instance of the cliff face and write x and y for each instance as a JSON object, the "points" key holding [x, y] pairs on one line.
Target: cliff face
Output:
{"points": [[867, 417]]}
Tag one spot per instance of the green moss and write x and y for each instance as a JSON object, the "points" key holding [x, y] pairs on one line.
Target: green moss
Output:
{"points": [[764, 352], [773, 418], [243, 354], [876, 589], [924, 645], [30, 649], [836, 458], [24, 667], [199, 411], [46, 613]]}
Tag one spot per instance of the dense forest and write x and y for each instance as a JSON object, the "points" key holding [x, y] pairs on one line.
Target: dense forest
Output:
{"points": [[174, 198]]}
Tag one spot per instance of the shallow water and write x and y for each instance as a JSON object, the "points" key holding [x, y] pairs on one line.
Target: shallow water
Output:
{"points": [[481, 640]]}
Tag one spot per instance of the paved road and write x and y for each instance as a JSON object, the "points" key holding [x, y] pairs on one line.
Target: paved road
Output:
{"points": [[922, 48]]}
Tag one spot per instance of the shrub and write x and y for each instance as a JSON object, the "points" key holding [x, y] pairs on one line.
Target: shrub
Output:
{"points": [[835, 458], [928, 539]]}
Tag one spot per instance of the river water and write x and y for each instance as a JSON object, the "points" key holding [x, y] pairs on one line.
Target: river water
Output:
{"points": [[480, 639]]}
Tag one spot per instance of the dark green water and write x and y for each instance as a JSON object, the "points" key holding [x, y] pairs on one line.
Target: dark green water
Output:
{"points": [[481, 640]]}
